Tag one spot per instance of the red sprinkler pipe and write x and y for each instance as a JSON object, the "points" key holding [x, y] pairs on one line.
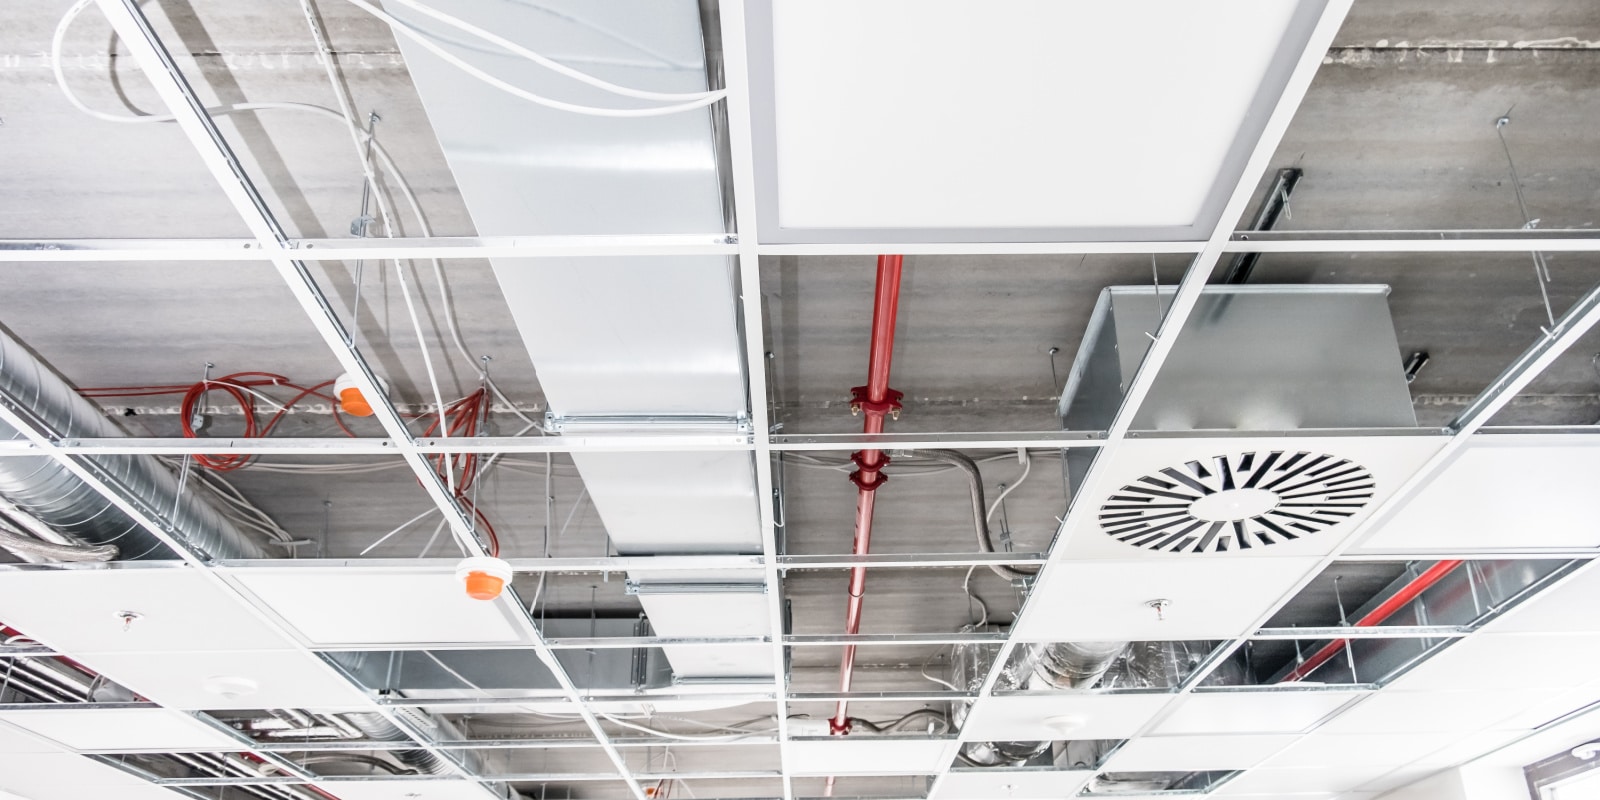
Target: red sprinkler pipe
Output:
{"points": [[874, 401], [1376, 616]]}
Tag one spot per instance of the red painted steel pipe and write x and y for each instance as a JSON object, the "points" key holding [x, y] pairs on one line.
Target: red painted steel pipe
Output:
{"points": [[1411, 591], [874, 401]]}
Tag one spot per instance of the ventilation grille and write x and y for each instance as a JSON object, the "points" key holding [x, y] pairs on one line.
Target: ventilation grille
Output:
{"points": [[1237, 502]]}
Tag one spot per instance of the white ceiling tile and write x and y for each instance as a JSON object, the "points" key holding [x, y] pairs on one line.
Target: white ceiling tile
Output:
{"points": [[1109, 600], [1488, 661], [1253, 712], [63, 776], [123, 729], [1468, 747], [1197, 753], [1321, 749], [1401, 776], [866, 756], [1040, 717], [1389, 460], [1538, 714], [13, 740], [282, 679], [408, 790], [1339, 778], [1464, 507], [77, 611], [1397, 711], [999, 784], [362, 606]]}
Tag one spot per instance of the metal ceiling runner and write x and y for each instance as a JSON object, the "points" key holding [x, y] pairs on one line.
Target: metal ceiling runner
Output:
{"points": [[629, 406]]}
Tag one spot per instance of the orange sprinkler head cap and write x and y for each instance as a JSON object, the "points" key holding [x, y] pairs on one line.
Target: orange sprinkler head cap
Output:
{"points": [[351, 400], [484, 577]]}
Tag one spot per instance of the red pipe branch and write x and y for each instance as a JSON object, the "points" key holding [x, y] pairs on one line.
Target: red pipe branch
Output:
{"points": [[874, 401], [1411, 591]]}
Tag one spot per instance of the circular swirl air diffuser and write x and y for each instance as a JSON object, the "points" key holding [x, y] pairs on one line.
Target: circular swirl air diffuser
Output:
{"points": [[1237, 502]]}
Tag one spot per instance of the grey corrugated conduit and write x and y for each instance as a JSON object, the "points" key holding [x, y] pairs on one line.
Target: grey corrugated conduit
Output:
{"points": [[979, 521]]}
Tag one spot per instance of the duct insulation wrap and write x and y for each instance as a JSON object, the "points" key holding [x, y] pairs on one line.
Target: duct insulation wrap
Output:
{"points": [[623, 345], [46, 490]]}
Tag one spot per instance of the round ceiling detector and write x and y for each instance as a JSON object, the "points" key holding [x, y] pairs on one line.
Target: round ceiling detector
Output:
{"points": [[1237, 502], [231, 687]]}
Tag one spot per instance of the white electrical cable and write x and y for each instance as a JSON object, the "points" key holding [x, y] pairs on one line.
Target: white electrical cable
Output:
{"points": [[680, 737], [1027, 467], [516, 91], [541, 60]]}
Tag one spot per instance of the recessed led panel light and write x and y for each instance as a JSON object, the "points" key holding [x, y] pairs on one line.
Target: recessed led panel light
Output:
{"points": [[929, 120], [122, 729]]}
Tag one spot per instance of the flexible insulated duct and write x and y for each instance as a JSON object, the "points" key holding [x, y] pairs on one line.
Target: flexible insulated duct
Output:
{"points": [[47, 490]]}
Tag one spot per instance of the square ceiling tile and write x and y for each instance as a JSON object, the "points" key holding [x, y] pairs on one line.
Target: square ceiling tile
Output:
{"points": [[179, 609], [123, 729], [868, 756], [208, 680], [1196, 753], [1220, 468], [333, 607], [1253, 712], [916, 106], [1110, 600], [1464, 507], [1491, 661], [13, 740], [1320, 749], [1075, 716], [408, 790], [65, 776], [1000, 784], [1433, 712]]}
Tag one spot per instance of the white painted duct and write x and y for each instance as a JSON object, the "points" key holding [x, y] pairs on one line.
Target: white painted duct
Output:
{"points": [[624, 345]]}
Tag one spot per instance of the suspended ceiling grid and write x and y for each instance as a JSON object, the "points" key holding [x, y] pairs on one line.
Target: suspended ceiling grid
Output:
{"points": [[900, 606]]}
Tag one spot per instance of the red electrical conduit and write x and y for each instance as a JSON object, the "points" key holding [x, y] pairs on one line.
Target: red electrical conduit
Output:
{"points": [[874, 401], [1411, 591]]}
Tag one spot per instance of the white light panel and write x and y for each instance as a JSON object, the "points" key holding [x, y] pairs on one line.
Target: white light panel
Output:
{"points": [[1210, 598], [1000, 784], [1320, 749], [865, 756], [1503, 492], [1491, 661], [1037, 113], [1078, 716], [1288, 782], [363, 606], [408, 790], [179, 609], [1253, 712], [1434, 712], [1196, 753], [280, 678], [123, 729]]}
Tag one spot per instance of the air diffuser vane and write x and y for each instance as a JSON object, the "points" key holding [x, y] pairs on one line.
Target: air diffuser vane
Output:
{"points": [[1237, 502]]}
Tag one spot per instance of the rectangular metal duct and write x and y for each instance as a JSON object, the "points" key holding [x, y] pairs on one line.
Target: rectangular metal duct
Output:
{"points": [[625, 345], [1252, 358]]}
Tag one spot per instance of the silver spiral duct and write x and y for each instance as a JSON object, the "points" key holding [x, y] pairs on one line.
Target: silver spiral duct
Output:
{"points": [[377, 728], [1075, 665], [44, 488]]}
